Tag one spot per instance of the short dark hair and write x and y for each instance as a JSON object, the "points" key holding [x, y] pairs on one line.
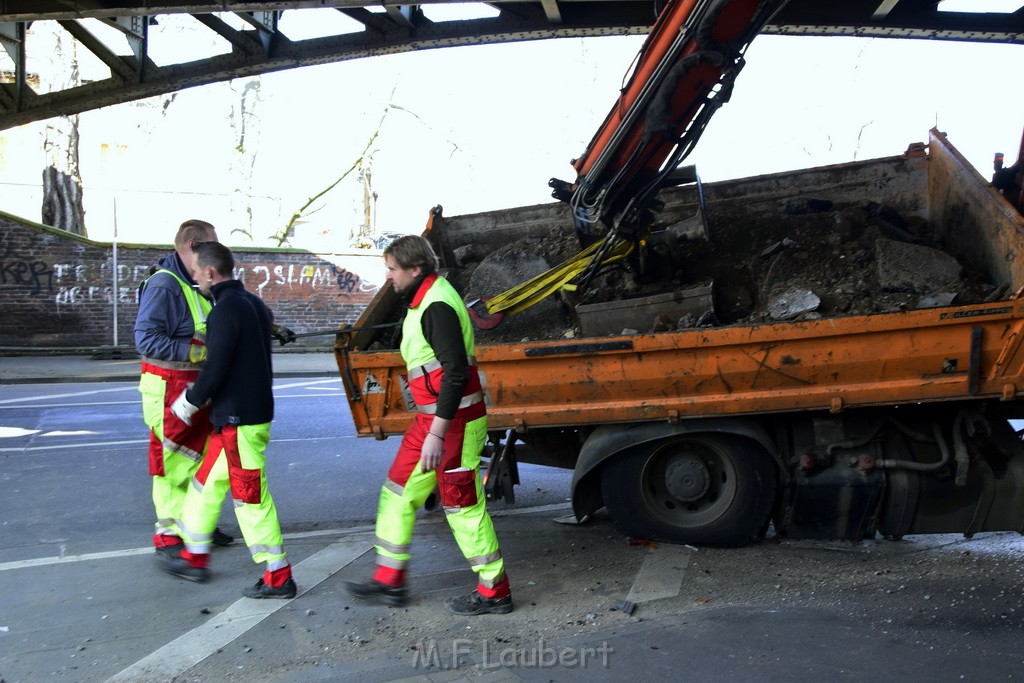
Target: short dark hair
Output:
{"points": [[217, 255], [411, 251], [193, 229]]}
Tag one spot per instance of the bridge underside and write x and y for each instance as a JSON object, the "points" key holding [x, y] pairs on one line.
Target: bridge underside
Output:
{"points": [[253, 42]]}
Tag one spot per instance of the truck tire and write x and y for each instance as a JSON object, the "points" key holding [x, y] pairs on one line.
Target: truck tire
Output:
{"points": [[701, 489]]}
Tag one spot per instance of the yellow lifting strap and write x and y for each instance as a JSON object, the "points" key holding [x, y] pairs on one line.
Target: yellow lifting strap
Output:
{"points": [[528, 293]]}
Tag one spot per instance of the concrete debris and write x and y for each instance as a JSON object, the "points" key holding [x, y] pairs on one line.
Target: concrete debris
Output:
{"points": [[937, 300], [509, 266], [624, 606], [689, 229], [467, 254], [914, 268], [792, 303], [810, 261], [773, 249]]}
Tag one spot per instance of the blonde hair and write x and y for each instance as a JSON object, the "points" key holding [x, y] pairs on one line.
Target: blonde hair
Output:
{"points": [[194, 230]]}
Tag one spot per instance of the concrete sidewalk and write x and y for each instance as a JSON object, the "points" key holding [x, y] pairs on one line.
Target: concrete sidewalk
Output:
{"points": [[29, 369]]}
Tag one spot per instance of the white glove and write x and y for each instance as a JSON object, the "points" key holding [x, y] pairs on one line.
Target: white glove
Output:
{"points": [[183, 409]]}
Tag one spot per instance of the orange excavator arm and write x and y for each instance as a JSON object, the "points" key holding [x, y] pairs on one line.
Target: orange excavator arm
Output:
{"points": [[684, 72]]}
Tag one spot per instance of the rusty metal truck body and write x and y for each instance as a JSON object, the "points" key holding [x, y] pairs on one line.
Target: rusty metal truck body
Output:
{"points": [[839, 427]]}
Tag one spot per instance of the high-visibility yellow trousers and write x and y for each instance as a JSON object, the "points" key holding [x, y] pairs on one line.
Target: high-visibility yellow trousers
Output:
{"points": [[461, 492], [235, 461], [175, 448]]}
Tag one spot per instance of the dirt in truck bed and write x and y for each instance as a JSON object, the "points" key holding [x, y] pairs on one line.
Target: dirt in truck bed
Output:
{"points": [[811, 261]]}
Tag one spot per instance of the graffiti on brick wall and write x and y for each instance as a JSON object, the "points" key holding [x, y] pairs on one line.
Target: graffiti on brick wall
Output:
{"points": [[324, 275], [20, 271], [75, 284], [78, 284], [34, 276]]}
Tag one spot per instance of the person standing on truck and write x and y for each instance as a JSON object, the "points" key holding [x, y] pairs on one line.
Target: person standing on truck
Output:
{"points": [[170, 333], [442, 447], [236, 382]]}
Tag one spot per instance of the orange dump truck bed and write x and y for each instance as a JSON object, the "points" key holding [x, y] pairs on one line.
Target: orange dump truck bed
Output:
{"points": [[834, 425], [934, 354]]}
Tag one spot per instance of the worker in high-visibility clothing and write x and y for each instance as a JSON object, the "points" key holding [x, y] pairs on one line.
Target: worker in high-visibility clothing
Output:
{"points": [[442, 447], [237, 382], [170, 335]]}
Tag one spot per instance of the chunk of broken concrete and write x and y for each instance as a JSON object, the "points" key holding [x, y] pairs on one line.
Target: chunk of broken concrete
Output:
{"points": [[936, 300], [792, 303], [914, 268]]}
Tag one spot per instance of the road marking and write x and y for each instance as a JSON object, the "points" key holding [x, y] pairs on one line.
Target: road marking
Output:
{"points": [[15, 402], [135, 442], [306, 384], [191, 648], [70, 446], [46, 397], [342, 533], [46, 561], [661, 574], [90, 404], [509, 512], [14, 432]]}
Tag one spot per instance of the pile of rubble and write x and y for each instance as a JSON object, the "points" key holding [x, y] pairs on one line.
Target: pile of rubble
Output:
{"points": [[812, 262]]}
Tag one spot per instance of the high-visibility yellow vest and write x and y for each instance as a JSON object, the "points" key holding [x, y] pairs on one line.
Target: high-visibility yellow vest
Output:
{"points": [[415, 350], [199, 308]]}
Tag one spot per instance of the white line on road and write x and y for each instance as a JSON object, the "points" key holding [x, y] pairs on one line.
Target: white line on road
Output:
{"points": [[193, 647], [133, 386], [661, 574], [115, 554], [47, 397], [46, 561], [344, 533], [136, 442], [70, 446], [307, 383], [91, 404]]}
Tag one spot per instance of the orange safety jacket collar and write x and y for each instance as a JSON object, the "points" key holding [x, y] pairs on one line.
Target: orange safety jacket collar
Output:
{"points": [[421, 292]]}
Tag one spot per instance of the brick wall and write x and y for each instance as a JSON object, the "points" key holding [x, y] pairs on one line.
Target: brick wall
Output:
{"points": [[56, 290]]}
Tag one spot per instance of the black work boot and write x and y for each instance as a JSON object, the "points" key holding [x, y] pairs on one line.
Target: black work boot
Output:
{"points": [[166, 553], [261, 590], [221, 539], [179, 566], [374, 590], [474, 603], [169, 547]]}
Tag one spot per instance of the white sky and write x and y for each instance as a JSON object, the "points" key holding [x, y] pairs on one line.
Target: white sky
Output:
{"points": [[484, 127]]}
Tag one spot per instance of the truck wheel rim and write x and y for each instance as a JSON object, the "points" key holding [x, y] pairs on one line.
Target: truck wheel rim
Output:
{"points": [[688, 482]]}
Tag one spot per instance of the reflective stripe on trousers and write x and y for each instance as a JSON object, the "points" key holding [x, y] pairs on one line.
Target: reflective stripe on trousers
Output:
{"points": [[235, 462], [470, 524], [175, 448]]}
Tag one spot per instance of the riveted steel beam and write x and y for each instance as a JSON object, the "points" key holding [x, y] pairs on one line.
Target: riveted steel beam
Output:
{"points": [[261, 48]]}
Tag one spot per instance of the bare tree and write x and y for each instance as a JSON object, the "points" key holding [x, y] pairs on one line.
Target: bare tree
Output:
{"points": [[62, 181], [304, 211], [362, 235], [245, 124]]}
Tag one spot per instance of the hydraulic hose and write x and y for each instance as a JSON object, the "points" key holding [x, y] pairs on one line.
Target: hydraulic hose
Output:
{"points": [[922, 466]]}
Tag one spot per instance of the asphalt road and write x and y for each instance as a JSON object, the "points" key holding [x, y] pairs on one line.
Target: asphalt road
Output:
{"points": [[84, 599]]}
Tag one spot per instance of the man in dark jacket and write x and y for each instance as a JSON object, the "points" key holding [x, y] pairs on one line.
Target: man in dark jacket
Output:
{"points": [[170, 333], [236, 381]]}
